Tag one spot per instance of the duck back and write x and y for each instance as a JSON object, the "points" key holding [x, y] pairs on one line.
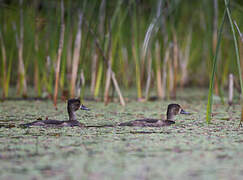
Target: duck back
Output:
{"points": [[148, 123], [53, 123]]}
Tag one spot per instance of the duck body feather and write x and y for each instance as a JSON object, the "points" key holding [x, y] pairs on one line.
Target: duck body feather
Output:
{"points": [[148, 123], [51, 123]]}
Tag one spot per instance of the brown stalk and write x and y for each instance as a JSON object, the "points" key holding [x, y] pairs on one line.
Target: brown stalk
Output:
{"points": [[158, 70], [165, 62], [117, 89], [109, 70], [149, 74], [170, 79], [69, 55], [215, 37], [59, 54], [108, 78], [126, 72], [175, 65], [76, 55], [107, 85], [231, 89], [21, 69], [106, 62]]}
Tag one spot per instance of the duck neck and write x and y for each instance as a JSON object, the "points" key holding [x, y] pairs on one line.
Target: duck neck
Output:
{"points": [[170, 116], [71, 114]]}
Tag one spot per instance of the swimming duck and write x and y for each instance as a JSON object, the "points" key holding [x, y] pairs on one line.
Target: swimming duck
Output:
{"points": [[72, 106], [172, 111]]}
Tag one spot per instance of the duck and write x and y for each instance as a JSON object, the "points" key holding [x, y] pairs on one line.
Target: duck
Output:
{"points": [[172, 111], [72, 106]]}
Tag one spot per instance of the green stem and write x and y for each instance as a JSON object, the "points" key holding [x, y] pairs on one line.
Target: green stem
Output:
{"points": [[210, 93], [98, 81]]}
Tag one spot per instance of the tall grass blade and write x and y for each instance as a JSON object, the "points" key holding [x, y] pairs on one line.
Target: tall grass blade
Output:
{"points": [[238, 29], [210, 93], [236, 46], [237, 54], [135, 51]]}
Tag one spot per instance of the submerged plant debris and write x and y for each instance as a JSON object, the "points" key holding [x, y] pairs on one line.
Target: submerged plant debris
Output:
{"points": [[190, 149]]}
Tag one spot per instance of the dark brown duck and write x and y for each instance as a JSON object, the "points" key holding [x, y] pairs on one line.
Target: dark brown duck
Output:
{"points": [[72, 106], [172, 111]]}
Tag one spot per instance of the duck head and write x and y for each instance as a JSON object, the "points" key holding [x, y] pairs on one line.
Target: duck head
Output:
{"points": [[74, 105], [173, 110]]}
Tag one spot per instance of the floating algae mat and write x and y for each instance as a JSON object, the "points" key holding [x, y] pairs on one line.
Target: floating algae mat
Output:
{"points": [[190, 149]]}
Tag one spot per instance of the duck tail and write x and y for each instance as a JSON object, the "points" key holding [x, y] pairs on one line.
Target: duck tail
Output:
{"points": [[26, 125]]}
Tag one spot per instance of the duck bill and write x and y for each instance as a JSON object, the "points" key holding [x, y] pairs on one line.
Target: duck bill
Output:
{"points": [[184, 112], [82, 107]]}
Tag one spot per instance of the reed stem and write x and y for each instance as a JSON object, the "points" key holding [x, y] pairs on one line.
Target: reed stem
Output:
{"points": [[59, 54], [210, 93]]}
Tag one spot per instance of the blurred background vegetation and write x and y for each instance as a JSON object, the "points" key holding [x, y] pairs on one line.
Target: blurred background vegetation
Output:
{"points": [[115, 45]]}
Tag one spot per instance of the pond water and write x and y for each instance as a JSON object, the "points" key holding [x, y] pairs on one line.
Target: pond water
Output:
{"points": [[189, 149]]}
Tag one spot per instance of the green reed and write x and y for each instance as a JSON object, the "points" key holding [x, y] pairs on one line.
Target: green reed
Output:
{"points": [[125, 26], [211, 86]]}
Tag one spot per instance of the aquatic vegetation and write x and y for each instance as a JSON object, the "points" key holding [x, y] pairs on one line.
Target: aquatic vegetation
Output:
{"points": [[190, 147]]}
